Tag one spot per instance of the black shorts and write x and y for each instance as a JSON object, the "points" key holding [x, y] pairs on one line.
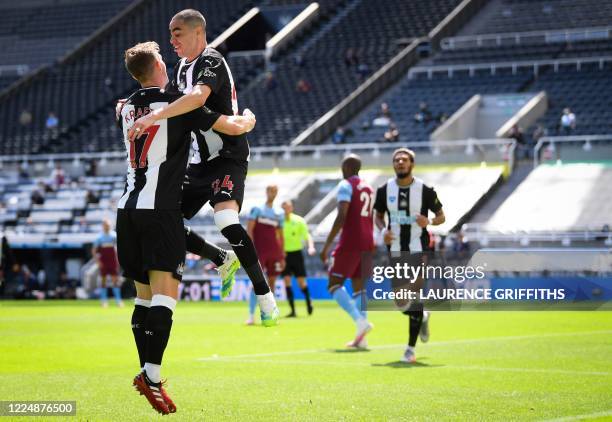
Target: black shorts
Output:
{"points": [[150, 240], [219, 180], [294, 264]]}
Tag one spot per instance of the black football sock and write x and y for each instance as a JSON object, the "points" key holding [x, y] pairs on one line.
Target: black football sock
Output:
{"points": [[242, 244], [139, 318], [306, 293], [158, 325], [290, 299], [416, 320], [196, 244]]}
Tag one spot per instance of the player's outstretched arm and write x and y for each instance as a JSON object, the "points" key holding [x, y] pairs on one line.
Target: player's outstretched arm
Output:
{"points": [[236, 125], [196, 98]]}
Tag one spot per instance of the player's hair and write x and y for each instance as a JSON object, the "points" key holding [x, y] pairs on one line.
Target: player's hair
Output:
{"points": [[352, 162], [404, 150], [192, 18], [139, 60]]}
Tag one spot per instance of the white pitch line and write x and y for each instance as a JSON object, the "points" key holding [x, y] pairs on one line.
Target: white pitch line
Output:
{"points": [[395, 346], [581, 417]]}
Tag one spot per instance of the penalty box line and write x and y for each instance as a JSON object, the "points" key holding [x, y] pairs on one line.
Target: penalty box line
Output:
{"points": [[396, 346]]}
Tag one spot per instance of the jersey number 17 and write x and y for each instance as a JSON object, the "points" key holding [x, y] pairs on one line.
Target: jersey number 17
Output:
{"points": [[139, 148]]}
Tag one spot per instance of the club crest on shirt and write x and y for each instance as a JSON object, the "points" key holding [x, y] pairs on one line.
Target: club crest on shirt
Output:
{"points": [[209, 63], [392, 198]]}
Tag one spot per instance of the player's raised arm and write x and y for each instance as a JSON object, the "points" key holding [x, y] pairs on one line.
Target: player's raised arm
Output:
{"points": [[196, 98]]}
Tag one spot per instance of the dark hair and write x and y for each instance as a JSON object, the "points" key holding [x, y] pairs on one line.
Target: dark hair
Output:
{"points": [[192, 18]]}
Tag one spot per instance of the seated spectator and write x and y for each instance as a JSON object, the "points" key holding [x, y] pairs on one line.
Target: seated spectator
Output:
{"points": [[567, 122], [384, 116], [392, 134], [65, 288], [58, 176], [108, 85], [442, 117], [24, 172], [522, 149], [92, 169], [303, 86], [52, 122], [298, 60], [516, 133], [539, 132], [25, 118], [92, 198], [270, 81], [47, 188], [363, 70], [366, 125], [37, 197], [351, 58], [424, 115], [461, 246], [339, 136]]}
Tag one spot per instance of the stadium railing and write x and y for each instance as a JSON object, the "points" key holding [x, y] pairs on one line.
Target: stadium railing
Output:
{"points": [[513, 65], [525, 38], [477, 232], [439, 152], [583, 142]]}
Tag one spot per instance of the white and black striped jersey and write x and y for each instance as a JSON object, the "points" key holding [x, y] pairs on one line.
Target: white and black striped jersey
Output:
{"points": [[157, 160], [402, 204], [211, 69]]}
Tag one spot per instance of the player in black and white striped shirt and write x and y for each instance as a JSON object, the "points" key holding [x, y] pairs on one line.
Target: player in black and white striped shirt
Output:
{"points": [[218, 171], [150, 233], [406, 201]]}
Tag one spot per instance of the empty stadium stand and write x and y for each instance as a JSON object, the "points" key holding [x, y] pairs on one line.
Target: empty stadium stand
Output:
{"points": [[35, 36], [536, 15], [558, 197], [78, 92], [284, 113], [443, 95], [510, 53]]}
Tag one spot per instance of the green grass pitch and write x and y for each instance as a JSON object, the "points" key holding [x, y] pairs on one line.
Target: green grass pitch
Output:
{"points": [[477, 366]]}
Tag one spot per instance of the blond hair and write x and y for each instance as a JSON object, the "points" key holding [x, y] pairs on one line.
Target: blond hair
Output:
{"points": [[139, 60]]}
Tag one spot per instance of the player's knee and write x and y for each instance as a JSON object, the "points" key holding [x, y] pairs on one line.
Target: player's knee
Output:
{"points": [[226, 218], [333, 285], [159, 318]]}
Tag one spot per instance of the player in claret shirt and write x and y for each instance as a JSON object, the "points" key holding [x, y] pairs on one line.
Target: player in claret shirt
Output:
{"points": [[105, 252], [265, 227], [352, 255], [150, 232]]}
